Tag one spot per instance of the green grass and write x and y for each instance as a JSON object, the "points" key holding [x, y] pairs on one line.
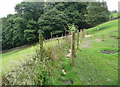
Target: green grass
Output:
{"points": [[11, 58], [17, 57], [92, 67], [115, 15]]}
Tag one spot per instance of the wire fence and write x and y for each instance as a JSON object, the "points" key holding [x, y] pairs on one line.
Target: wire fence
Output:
{"points": [[32, 71], [101, 70], [97, 56]]}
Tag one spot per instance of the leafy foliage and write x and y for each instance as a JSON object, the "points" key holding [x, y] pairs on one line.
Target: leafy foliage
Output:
{"points": [[53, 21], [46, 17], [96, 13]]}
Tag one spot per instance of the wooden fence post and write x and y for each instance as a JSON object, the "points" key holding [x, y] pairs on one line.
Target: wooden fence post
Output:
{"points": [[58, 41], [77, 39], [41, 46], [84, 31], [72, 48], [81, 35], [51, 34]]}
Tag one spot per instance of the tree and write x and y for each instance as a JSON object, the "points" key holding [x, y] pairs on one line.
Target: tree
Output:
{"points": [[75, 12], [97, 12], [33, 18], [18, 30], [53, 21], [30, 10], [30, 33]]}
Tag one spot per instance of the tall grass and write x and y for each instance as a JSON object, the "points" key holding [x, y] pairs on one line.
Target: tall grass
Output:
{"points": [[37, 72]]}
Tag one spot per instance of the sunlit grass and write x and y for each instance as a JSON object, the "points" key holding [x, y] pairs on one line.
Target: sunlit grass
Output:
{"points": [[94, 67]]}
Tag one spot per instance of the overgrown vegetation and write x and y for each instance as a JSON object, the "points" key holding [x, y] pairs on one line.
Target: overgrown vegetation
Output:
{"points": [[33, 71]]}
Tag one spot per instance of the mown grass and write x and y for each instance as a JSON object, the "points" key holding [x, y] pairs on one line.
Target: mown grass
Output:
{"points": [[94, 67]]}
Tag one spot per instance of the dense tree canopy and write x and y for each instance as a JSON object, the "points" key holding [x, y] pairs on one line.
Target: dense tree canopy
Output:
{"points": [[96, 13], [53, 21], [32, 18], [30, 10]]}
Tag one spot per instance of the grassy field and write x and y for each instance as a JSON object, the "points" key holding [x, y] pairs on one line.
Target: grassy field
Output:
{"points": [[12, 58], [17, 57], [92, 66]]}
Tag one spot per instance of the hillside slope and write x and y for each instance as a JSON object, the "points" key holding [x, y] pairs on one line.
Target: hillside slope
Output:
{"points": [[96, 62]]}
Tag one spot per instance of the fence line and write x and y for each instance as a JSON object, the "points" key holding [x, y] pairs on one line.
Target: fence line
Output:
{"points": [[72, 48], [97, 55], [100, 58], [58, 41]]}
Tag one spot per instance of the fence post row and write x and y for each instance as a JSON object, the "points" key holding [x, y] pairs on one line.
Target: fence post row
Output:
{"points": [[84, 32], [81, 35], [72, 48], [77, 39], [41, 46], [58, 41], [51, 35]]}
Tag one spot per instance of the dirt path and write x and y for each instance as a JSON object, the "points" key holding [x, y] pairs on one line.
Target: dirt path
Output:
{"points": [[86, 44]]}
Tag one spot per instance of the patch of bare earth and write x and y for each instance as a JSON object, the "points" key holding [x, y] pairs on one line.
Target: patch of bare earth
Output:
{"points": [[109, 52], [68, 82], [86, 43], [99, 39], [88, 35], [113, 37]]}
